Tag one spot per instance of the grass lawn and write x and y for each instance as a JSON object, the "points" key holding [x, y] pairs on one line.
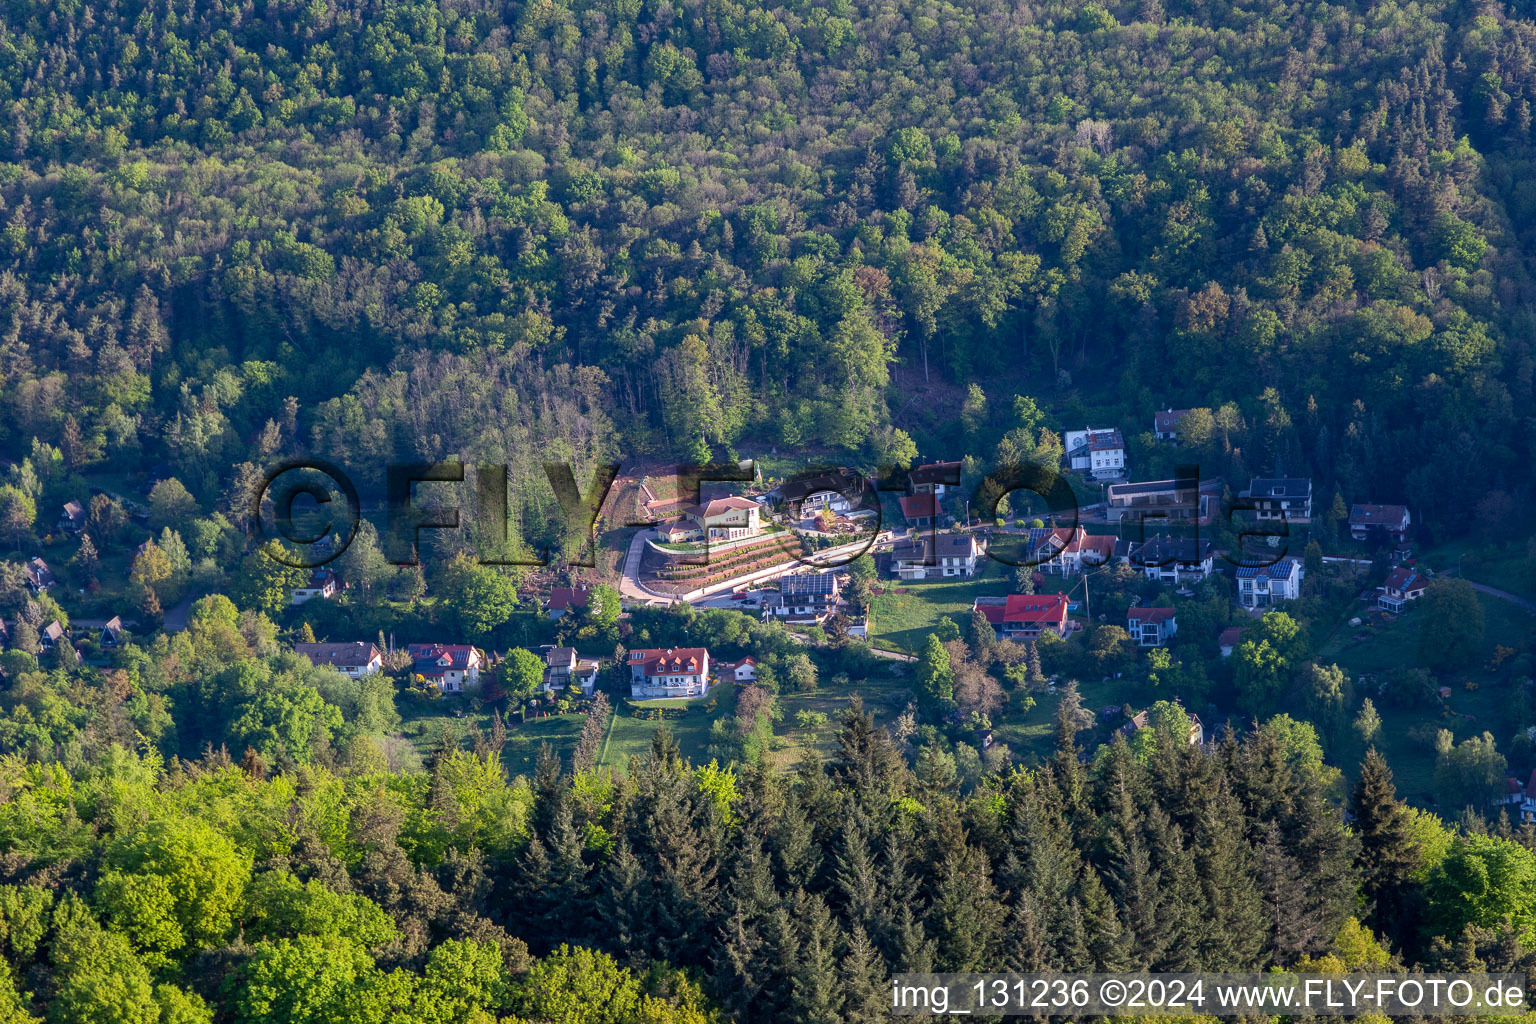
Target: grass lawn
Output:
{"points": [[908, 610], [629, 736], [1407, 734]]}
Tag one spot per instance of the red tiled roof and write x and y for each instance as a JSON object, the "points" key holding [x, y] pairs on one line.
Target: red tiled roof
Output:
{"points": [[1035, 608], [720, 506], [1149, 615], [681, 660], [919, 506], [562, 598]]}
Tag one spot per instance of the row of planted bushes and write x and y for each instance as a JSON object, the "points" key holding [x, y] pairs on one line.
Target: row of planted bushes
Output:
{"points": [[684, 570]]}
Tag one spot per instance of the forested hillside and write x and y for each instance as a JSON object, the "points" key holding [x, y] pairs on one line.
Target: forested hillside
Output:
{"points": [[631, 227]]}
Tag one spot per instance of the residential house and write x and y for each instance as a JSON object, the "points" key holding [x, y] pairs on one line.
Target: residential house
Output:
{"points": [[356, 659], [1151, 627], [563, 667], [935, 478], [1379, 523], [322, 583], [727, 518], [1161, 499], [743, 671], [1288, 498], [39, 576], [1165, 424], [1264, 585], [1403, 585], [1174, 559], [112, 633], [1099, 452], [452, 668], [567, 599], [803, 597], [810, 496], [920, 509], [1022, 616], [72, 518], [1141, 721], [1228, 640], [1058, 550], [948, 554], [674, 672], [51, 635]]}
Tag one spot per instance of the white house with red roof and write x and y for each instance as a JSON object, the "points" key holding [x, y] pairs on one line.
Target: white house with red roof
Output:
{"points": [[1024, 615], [1151, 627], [1403, 585], [674, 672], [452, 668]]}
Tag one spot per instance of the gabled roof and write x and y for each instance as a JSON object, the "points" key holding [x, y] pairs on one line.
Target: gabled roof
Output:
{"points": [[563, 598], [720, 506], [1378, 515], [1024, 608], [947, 473], [1405, 580], [1149, 615], [673, 661], [357, 654], [1159, 550], [919, 506], [1280, 487], [429, 659]]}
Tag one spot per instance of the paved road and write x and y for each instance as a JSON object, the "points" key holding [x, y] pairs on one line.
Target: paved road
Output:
{"points": [[1523, 602]]}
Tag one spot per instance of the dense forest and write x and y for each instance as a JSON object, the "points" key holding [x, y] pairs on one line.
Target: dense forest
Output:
{"points": [[411, 229], [590, 230]]}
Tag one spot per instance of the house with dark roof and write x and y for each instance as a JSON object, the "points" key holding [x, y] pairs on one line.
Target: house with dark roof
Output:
{"points": [[1165, 424], [72, 517], [1161, 499], [803, 597], [935, 478], [1287, 498], [112, 633], [1151, 627], [1379, 523], [1022, 616], [51, 635], [674, 672], [1402, 585], [39, 576], [1174, 559], [322, 584], [356, 659], [1264, 585], [564, 667], [948, 554], [1097, 451], [452, 668]]}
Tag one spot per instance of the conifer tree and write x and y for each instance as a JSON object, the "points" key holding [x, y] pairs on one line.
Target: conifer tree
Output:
{"points": [[1389, 856]]}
